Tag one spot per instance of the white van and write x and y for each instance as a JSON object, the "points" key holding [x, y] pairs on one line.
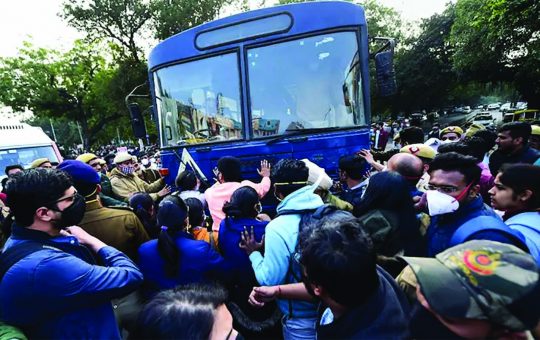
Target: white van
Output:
{"points": [[21, 144]]}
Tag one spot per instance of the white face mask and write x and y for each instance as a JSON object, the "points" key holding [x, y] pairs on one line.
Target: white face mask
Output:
{"points": [[439, 203], [145, 162]]}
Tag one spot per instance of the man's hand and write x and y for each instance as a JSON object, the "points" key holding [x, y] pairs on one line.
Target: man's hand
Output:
{"points": [[366, 154], [165, 191], [259, 296], [265, 169], [420, 202], [83, 237], [248, 242]]}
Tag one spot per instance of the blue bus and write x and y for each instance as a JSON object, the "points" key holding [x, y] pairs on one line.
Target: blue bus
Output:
{"points": [[284, 82]]}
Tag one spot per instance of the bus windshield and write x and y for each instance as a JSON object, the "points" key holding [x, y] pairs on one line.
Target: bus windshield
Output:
{"points": [[199, 101], [307, 83]]}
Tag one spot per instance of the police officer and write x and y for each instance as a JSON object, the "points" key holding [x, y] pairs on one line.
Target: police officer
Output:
{"points": [[118, 227], [106, 194]]}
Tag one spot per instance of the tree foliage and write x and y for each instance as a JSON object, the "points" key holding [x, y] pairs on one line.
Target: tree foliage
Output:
{"points": [[424, 71], [120, 21], [499, 40], [76, 85], [174, 16]]}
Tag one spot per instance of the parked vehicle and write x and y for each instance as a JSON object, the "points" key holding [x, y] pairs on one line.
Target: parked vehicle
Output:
{"points": [[494, 106], [484, 118], [530, 116], [22, 144], [467, 109]]}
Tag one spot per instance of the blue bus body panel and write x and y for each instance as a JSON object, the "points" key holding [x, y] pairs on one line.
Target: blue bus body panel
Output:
{"points": [[307, 17], [322, 149]]}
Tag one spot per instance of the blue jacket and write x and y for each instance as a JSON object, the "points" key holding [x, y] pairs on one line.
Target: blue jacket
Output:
{"points": [[442, 227], [280, 243], [385, 315], [229, 238], [55, 293], [528, 224], [198, 263]]}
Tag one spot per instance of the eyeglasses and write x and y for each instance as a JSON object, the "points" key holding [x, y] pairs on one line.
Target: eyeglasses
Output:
{"points": [[445, 189], [67, 198]]}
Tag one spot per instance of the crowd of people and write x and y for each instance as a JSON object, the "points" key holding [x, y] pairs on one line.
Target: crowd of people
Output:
{"points": [[431, 239]]}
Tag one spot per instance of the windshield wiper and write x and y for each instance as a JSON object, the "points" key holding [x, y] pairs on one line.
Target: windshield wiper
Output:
{"points": [[297, 132]]}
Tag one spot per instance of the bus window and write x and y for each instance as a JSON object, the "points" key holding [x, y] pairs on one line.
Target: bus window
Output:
{"points": [[307, 83], [199, 101]]}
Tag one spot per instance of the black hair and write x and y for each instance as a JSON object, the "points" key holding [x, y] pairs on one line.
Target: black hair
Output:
{"points": [[171, 215], [142, 203], [34, 188], [3, 183], [389, 191], [242, 203], [459, 147], [12, 167], [478, 147], [521, 177], [517, 129], [355, 166], [88, 190], [230, 168], [453, 161], [289, 171], [196, 211], [411, 135], [186, 180], [488, 136], [185, 312], [339, 256]]}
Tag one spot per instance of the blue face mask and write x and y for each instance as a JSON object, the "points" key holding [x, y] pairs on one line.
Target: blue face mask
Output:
{"points": [[126, 169]]}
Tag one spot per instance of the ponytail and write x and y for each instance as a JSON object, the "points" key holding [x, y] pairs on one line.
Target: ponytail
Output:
{"points": [[168, 251], [171, 215]]}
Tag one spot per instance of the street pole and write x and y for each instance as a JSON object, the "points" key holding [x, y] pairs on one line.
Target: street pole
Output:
{"points": [[52, 128], [80, 133]]}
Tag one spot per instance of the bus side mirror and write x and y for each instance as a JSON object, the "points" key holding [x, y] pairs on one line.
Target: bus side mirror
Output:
{"points": [[384, 68], [137, 121]]}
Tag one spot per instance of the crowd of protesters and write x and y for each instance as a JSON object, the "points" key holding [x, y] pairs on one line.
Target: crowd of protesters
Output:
{"points": [[431, 239]]}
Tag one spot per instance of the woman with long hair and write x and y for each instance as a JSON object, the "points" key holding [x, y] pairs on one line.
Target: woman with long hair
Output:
{"points": [[176, 258], [143, 206], [241, 215], [197, 221], [388, 215]]}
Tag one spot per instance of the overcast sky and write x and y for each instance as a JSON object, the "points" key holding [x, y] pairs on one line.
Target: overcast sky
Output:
{"points": [[39, 19]]}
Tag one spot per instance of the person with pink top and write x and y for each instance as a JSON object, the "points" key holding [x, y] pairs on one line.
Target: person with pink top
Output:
{"points": [[229, 178]]}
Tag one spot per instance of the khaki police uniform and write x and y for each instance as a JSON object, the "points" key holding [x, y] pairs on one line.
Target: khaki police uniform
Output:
{"points": [[118, 227]]}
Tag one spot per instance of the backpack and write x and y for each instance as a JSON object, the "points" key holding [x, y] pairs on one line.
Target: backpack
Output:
{"points": [[486, 223]]}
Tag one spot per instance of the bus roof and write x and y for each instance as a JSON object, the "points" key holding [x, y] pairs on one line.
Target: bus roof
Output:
{"points": [[307, 17], [22, 135]]}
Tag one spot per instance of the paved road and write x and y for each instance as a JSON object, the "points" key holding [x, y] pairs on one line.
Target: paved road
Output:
{"points": [[459, 119]]}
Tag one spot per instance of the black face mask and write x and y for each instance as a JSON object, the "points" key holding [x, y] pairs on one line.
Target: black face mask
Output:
{"points": [[71, 215], [425, 325]]}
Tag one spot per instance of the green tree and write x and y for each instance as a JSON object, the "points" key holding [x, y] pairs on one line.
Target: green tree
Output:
{"points": [[174, 16], [75, 85], [119, 21], [424, 70], [498, 41]]}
